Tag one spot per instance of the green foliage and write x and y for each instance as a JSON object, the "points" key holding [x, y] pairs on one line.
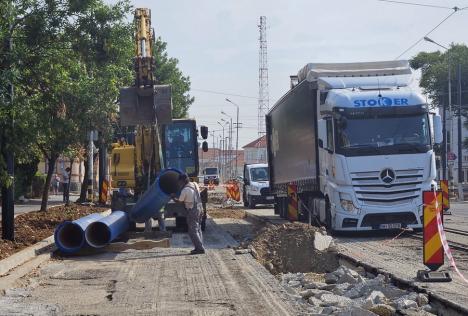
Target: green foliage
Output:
{"points": [[68, 62], [434, 68], [434, 80], [167, 72]]}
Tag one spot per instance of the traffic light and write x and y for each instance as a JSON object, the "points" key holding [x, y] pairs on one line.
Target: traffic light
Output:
{"points": [[204, 132]]}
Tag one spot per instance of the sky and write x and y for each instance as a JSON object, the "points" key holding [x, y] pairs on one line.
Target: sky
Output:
{"points": [[216, 43]]}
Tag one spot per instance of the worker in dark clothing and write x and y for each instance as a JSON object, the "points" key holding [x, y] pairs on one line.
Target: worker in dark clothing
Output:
{"points": [[204, 200], [66, 185]]}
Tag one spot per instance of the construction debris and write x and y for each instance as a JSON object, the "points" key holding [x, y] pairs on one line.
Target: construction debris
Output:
{"points": [[353, 293]]}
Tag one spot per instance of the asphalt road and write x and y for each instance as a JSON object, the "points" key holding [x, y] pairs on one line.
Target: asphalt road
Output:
{"points": [[35, 204]]}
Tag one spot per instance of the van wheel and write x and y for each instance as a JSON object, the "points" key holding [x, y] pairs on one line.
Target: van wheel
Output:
{"points": [[251, 203], [244, 199]]}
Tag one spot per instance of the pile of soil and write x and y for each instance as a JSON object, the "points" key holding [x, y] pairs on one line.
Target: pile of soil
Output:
{"points": [[226, 213], [290, 248], [33, 227]]}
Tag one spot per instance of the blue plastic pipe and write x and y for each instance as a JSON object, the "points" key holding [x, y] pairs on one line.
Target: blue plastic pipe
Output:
{"points": [[70, 236], [158, 195], [102, 232]]}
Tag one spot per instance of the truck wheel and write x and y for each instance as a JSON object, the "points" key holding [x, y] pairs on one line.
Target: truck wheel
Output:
{"points": [[328, 218], [251, 203], [277, 207]]}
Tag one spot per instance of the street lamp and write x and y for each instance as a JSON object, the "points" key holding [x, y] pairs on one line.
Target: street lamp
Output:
{"points": [[222, 148], [444, 125], [237, 129], [230, 139]]}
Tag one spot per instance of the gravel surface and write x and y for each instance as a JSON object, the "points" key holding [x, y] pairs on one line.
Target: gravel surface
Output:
{"points": [[33, 227], [216, 212], [160, 281]]}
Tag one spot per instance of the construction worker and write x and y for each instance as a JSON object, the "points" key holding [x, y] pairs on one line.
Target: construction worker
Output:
{"points": [[190, 196]]}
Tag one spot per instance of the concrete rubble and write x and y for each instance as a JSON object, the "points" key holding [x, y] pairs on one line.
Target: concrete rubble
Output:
{"points": [[346, 292]]}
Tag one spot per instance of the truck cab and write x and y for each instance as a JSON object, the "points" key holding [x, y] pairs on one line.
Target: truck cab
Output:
{"points": [[256, 188], [211, 175]]}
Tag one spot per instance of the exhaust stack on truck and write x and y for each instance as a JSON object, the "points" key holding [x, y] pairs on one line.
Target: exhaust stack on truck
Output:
{"points": [[357, 141]]}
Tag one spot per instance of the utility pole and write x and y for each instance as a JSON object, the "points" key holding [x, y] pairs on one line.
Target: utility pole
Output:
{"points": [[237, 129], [263, 93], [459, 127], [90, 165], [8, 206], [102, 166]]}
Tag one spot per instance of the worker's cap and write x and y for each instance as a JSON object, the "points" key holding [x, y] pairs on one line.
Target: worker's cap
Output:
{"points": [[183, 177]]}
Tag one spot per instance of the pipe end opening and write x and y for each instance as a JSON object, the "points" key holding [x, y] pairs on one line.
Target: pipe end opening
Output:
{"points": [[98, 235]]}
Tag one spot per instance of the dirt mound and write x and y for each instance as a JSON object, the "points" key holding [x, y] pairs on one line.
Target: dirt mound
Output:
{"points": [[290, 248], [33, 227], [226, 213]]}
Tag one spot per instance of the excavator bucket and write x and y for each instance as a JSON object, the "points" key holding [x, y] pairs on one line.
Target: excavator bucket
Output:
{"points": [[145, 106]]}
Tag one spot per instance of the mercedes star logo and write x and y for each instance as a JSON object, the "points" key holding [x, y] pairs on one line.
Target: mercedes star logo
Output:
{"points": [[387, 176]]}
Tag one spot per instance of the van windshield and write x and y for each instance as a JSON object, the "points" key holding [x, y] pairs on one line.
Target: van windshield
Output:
{"points": [[259, 174], [211, 171]]}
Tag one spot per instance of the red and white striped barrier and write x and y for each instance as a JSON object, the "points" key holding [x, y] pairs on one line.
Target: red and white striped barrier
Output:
{"points": [[446, 247]]}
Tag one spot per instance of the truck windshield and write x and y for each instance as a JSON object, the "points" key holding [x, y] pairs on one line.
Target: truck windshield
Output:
{"points": [[382, 135], [211, 171], [180, 143], [259, 174]]}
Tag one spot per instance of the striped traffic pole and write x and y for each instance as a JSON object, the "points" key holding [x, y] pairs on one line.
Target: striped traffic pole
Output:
{"points": [[292, 202], [433, 251], [445, 196], [105, 190]]}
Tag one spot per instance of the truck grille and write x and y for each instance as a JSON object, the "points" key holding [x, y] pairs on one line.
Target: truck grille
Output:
{"points": [[404, 218], [371, 190], [265, 191]]}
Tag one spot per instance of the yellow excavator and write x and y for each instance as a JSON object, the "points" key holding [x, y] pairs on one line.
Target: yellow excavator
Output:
{"points": [[152, 139]]}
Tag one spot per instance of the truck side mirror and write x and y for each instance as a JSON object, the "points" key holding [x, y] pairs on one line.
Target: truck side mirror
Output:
{"points": [[322, 133], [205, 146], [204, 131], [438, 136], [246, 182]]}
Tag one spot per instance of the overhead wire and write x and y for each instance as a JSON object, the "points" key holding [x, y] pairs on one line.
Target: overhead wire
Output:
{"points": [[224, 93], [432, 30], [421, 4]]}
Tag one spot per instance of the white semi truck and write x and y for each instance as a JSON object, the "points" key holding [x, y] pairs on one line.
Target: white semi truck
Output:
{"points": [[358, 142]]}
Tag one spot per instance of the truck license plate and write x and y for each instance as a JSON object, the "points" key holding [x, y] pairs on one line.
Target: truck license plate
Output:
{"points": [[390, 226], [270, 197]]}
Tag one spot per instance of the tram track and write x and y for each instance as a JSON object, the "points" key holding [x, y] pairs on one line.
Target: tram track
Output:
{"points": [[453, 244]]}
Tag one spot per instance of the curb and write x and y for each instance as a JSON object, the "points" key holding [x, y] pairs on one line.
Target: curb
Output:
{"points": [[25, 255]]}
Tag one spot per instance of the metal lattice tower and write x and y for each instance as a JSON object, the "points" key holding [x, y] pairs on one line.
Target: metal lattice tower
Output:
{"points": [[263, 94]]}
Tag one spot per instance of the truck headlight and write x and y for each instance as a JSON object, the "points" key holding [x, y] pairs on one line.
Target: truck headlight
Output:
{"points": [[254, 189], [347, 203]]}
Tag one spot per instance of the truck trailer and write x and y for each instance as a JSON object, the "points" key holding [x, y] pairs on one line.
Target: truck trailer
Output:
{"points": [[357, 141]]}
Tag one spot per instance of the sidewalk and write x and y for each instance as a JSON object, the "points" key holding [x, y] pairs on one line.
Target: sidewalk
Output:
{"points": [[35, 204]]}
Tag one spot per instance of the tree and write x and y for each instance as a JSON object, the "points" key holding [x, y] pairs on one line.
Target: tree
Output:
{"points": [[434, 68], [434, 80], [168, 72]]}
